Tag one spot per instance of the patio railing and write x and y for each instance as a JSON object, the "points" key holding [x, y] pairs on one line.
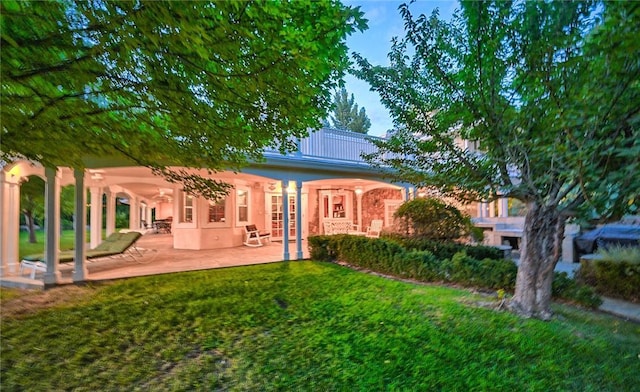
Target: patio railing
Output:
{"points": [[334, 145]]}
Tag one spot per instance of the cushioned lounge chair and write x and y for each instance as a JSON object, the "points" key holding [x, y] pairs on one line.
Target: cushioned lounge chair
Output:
{"points": [[115, 244]]}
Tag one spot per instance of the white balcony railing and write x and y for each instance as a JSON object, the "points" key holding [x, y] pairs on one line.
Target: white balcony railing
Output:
{"points": [[334, 145]]}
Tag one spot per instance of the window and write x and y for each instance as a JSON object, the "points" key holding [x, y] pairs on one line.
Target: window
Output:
{"points": [[217, 211], [242, 206], [187, 209]]}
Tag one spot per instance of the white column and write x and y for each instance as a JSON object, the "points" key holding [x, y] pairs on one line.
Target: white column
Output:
{"points": [[285, 219], [52, 226], [480, 210], [503, 207], [299, 255], [358, 193], [408, 193], [492, 209], [149, 216], [9, 223], [96, 216], [111, 212], [134, 213], [80, 268]]}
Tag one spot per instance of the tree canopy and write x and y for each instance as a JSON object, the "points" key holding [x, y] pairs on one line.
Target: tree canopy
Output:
{"points": [[191, 84], [345, 113], [549, 92]]}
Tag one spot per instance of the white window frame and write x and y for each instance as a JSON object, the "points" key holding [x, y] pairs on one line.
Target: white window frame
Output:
{"points": [[179, 221], [390, 207], [227, 214], [237, 205]]}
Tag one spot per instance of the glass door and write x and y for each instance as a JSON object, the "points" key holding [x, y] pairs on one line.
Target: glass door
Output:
{"points": [[277, 217]]}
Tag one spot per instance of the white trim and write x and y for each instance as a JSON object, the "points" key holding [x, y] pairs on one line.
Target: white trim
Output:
{"points": [[390, 207], [238, 191], [178, 221], [227, 214]]}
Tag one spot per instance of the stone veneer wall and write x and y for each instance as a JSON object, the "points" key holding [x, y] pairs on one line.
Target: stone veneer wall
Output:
{"points": [[314, 203], [373, 203]]}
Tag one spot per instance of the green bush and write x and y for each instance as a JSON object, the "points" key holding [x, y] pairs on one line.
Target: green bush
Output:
{"points": [[122, 219], [446, 250], [617, 279], [388, 256], [433, 219], [569, 289], [629, 254], [487, 273], [66, 224], [319, 248]]}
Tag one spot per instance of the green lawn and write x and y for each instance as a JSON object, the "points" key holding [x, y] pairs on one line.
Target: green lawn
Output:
{"points": [[301, 326], [66, 241]]}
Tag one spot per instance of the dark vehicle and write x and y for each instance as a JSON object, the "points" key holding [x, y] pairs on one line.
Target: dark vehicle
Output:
{"points": [[605, 237]]}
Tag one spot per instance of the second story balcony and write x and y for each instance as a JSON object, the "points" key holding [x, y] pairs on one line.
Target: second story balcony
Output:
{"points": [[333, 145]]}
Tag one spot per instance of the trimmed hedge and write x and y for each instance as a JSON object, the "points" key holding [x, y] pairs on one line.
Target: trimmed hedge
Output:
{"points": [[389, 256], [446, 250], [617, 279], [565, 287]]}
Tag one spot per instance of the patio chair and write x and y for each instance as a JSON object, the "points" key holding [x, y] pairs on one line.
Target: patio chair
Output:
{"points": [[375, 229], [254, 237], [115, 245]]}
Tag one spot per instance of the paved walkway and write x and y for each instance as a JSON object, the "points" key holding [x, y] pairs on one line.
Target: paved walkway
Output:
{"points": [[626, 310], [616, 307]]}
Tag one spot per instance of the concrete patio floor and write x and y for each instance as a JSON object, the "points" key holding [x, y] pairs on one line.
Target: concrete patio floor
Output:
{"points": [[159, 257]]}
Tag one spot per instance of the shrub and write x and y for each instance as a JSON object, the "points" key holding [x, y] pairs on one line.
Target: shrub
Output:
{"points": [[319, 248], [390, 257], [617, 279], [626, 254], [487, 273], [569, 289], [433, 219], [446, 250], [66, 224], [122, 219]]}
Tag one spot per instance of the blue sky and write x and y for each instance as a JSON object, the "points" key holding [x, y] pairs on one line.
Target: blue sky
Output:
{"points": [[374, 44]]}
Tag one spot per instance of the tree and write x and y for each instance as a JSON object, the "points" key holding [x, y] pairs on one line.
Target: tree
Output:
{"points": [[549, 90], [346, 114], [164, 84], [32, 203], [433, 219], [32, 192]]}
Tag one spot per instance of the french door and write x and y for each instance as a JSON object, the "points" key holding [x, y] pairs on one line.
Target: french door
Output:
{"points": [[277, 217]]}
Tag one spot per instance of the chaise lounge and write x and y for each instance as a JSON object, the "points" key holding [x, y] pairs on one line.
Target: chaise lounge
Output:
{"points": [[115, 244]]}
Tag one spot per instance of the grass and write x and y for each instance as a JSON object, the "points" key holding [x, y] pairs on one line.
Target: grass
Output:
{"points": [[67, 241], [300, 326], [303, 326]]}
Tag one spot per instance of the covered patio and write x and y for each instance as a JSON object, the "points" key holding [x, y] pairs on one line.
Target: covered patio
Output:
{"points": [[158, 256]]}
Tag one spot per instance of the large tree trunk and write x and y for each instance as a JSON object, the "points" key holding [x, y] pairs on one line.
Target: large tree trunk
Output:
{"points": [[28, 217], [543, 233]]}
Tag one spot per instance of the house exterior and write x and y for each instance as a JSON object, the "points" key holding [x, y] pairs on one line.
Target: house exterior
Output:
{"points": [[290, 196]]}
